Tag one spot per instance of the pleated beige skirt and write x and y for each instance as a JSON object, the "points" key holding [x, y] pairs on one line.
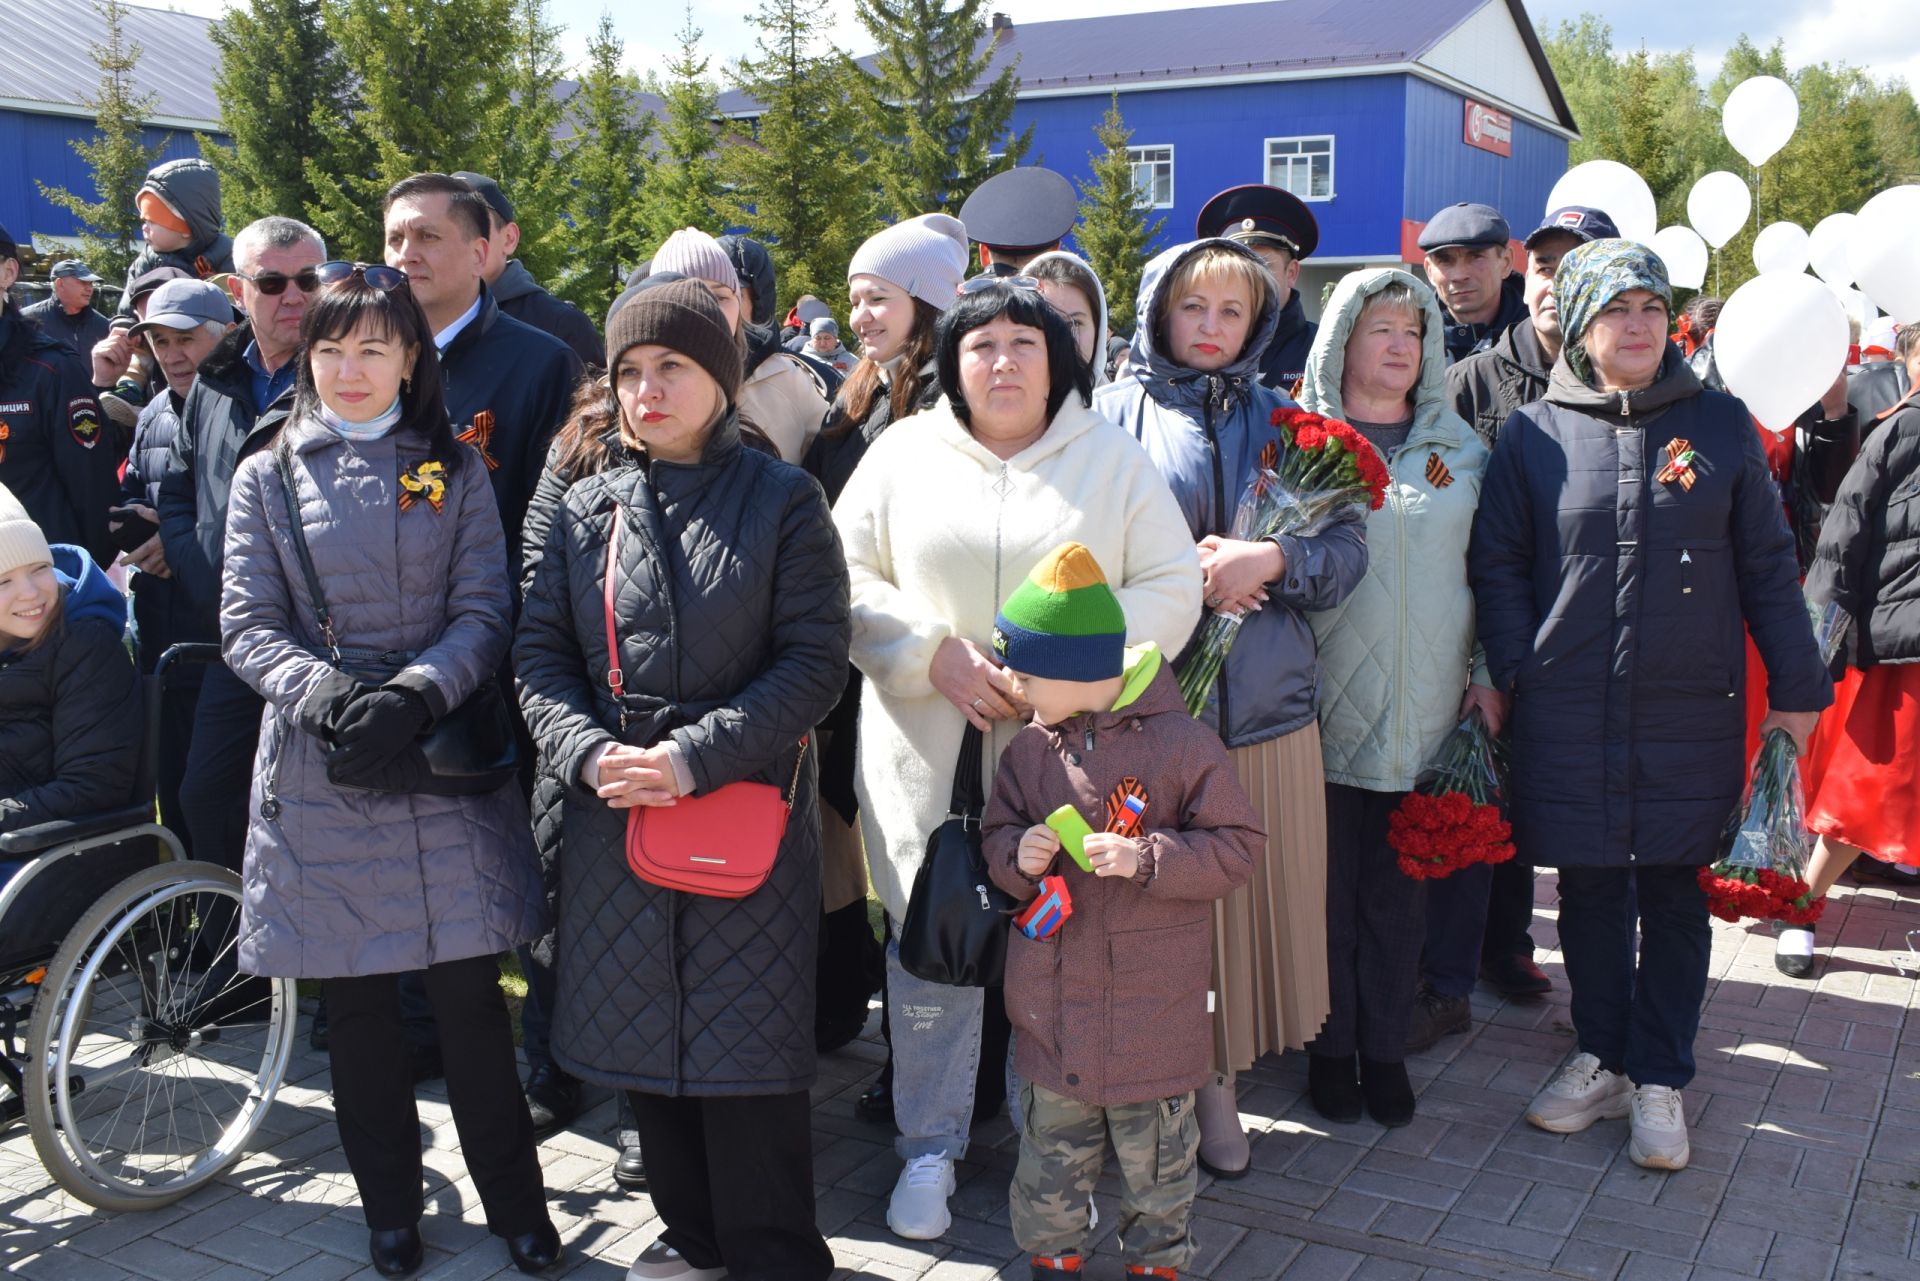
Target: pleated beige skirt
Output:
{"points": [[1270, 935]]}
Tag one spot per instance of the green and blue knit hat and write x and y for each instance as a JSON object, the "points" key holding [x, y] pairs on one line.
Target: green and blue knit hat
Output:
{"points": [[1063, 623]]}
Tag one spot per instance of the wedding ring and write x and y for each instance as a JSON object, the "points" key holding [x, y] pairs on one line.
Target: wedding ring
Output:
{"points": [[977, 702]]}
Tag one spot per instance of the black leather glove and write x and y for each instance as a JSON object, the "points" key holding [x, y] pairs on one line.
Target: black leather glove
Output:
{"points": [[320, 712], [404, 771]]}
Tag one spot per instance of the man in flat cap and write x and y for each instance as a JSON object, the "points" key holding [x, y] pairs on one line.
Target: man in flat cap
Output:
{"points": [[1278, 226], [1470, 265], [1018, 215], [69, 315]]}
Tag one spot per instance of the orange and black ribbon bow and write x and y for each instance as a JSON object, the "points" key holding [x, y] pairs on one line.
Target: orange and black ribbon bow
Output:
{"points": [[1126, 807], [428, 481], [480, 436], [1679, 466], [1437, 474]]}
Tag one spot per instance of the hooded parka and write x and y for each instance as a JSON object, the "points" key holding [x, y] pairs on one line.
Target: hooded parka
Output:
{"points": [[342, 882], [191, 188], [730, 595], [1611, 605], [1204, 432], [1396, 654]]}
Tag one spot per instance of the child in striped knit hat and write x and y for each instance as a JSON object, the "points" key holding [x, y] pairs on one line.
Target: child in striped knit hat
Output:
{"points": [[1111, 1007]]}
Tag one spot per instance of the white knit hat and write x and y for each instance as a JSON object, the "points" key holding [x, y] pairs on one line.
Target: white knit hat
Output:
{"points": [[926, 256], [21, 542], [694, 254]]}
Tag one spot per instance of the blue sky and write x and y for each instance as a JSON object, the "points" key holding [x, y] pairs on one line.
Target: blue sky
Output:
{"points": [[1865, 33]]}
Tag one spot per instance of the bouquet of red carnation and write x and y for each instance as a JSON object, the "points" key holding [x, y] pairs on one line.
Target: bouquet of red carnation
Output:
{"points": [[1451, 819], [1763, 866], [1312, 468]]}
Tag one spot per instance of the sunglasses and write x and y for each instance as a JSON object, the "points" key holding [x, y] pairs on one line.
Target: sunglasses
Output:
{"points": [[274, 283], [385, 279], [980, 284]]}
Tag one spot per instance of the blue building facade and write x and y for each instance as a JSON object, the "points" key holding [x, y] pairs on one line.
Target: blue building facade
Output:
{"points": [[41, 146]]}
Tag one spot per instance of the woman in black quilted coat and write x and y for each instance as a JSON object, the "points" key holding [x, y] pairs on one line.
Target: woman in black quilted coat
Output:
{"points": [[730, 608]]}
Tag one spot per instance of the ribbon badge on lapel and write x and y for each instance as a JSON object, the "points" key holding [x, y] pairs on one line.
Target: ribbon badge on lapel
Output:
{"points": [[1679, 465], [428, 480], [480, 436], [1126, 806], [1437, 474]]}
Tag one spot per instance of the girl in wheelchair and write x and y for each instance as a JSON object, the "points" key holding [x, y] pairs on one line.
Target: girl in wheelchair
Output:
{"points": [[68, 746]]}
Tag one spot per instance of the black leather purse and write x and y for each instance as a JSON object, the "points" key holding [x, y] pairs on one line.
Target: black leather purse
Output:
{"points": [[956, 927], [470, 751]]}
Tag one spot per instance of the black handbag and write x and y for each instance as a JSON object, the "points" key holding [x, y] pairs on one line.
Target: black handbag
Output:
{"points": [[470, 751], [956, 927]]}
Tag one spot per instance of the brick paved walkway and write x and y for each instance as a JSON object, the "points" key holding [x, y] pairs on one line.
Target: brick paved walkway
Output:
{"points": [[1806, 1164]]}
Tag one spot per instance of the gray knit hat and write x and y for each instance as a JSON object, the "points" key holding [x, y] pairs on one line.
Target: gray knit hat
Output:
{"points": [[695, 254], [926, 256], [681, 315], [21, 542]]}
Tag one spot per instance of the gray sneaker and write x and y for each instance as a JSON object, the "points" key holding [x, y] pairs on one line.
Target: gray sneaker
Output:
{"points": [[1583, 1093], [1659, 1129]]}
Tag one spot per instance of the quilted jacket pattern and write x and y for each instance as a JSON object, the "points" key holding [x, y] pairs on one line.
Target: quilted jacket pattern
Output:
{"points": [[731, 600], [344, 882]]}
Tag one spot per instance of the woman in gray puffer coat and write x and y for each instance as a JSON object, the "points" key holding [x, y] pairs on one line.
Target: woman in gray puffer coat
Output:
{"points": [[352, 873], [729, 602]]}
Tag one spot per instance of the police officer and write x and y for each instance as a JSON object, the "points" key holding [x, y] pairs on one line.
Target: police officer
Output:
{"points": [[51, 451], [1018, 215], [1278, 226]]}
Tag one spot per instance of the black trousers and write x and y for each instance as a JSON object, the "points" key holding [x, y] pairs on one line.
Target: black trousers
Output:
{"points": [[732, 1179], [1479, 913], [373, 1095], [1376, 921], [218, 773]]}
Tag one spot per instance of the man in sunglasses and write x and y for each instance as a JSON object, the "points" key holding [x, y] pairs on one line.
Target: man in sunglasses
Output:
{"points": [[242, 394]]}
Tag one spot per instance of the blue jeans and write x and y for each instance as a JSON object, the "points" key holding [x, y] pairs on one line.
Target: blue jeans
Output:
{"points": [[936, 1054]]}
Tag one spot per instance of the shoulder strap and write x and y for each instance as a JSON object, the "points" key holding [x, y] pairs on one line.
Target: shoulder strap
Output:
{"points": [[969, 789], [616, 679], [305, 557]]}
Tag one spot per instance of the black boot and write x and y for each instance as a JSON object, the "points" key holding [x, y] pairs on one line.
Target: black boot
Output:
{"points": [[1388, 1093], [396, 1252], [538, 1250], [1332, 1087]]}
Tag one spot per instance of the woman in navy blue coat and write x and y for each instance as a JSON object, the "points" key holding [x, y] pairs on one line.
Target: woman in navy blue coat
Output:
{"points": [[1628, 527]]}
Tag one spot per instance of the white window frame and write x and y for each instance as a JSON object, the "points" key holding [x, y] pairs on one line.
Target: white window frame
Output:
{"points": [[1161, 146], [1333, 172]]}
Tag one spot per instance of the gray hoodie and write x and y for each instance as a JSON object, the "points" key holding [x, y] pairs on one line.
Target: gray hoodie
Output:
{"points": [[191, 188]]}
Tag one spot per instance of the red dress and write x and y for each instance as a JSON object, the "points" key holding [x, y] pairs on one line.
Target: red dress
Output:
{"points": [[1779, 448], [1862, 770]]}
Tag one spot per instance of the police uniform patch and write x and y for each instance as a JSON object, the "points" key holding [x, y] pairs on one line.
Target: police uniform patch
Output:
{"points": [[83, 420]]}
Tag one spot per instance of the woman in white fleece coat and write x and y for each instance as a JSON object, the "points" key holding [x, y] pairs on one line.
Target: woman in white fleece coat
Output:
{"points": [[946, 515]]}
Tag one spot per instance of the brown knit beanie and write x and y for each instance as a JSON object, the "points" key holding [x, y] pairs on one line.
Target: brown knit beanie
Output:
{"points": [[681, 315]]}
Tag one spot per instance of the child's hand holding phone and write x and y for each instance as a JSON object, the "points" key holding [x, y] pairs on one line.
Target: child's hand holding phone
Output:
{"points": [[1037, 850]]}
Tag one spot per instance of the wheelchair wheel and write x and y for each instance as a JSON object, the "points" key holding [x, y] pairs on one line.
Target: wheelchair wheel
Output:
{"points": [[150, 1061]]}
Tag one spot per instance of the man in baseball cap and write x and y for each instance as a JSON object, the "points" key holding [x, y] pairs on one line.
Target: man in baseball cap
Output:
{"points": [[1278, 226], [185, 320], [1470, 265], [514, 289], [69, 315], [1017, 215]]}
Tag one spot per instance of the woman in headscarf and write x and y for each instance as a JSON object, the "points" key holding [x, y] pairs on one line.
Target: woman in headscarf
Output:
{"points": [[1628, 526]]}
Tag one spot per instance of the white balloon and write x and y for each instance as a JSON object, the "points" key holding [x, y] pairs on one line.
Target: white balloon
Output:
{"points": [[1759, 117], [1780, 246], [1779, 342], [1883, 250], [1827, 248], [1685, 255], [1718, 206], [1856, 304], [1612, 188]]}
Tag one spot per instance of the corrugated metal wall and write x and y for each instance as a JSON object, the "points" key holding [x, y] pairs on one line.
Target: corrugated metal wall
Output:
{"points": [[1442, 169], [36, 148]]}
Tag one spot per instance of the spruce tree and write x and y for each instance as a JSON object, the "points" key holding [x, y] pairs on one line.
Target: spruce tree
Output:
{"points": [[526, 163], [800, 181], [941, 134], [1113, 232], [116, 155], [279, 80], [683, 184], [606, 161]]}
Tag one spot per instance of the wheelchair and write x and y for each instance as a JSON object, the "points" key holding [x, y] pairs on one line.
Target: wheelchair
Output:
{"points": [[140, 1059]]}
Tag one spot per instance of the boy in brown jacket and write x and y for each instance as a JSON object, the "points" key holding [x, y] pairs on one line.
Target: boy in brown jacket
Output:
{"points": [[1111, 1008]]}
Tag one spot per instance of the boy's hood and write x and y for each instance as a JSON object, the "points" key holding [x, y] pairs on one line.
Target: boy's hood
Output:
{"points": [[191, 189]]}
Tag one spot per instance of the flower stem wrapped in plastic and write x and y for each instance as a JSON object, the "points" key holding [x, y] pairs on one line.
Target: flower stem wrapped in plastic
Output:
{"points": [[1763, 867], [1312, 467], [1451, 819]]}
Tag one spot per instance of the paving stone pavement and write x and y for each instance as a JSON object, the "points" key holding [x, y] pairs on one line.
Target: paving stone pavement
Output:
{"points": [[1806, 1163]]}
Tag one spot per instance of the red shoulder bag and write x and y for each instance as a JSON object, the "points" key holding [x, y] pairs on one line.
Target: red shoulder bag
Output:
{"points": [[722, 844]]}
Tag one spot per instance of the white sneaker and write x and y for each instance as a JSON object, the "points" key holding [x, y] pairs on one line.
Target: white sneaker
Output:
{"points": [[660, 1261], [1659, 1128], [1583, 1093], [918, 1208]]}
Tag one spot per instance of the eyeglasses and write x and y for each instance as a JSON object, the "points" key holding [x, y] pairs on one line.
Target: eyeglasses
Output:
{"points": [[982, 283], [385, 279], [274, 283]]}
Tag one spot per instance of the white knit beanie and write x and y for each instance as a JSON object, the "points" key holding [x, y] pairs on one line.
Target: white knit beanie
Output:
{"points": [[926, 256], [696, 255], [21, 542]]}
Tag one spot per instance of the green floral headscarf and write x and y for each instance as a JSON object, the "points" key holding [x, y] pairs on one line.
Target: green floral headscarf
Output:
{"points": [[1593, 275]]}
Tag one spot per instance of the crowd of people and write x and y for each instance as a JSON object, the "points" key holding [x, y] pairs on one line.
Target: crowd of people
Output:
{"points": [[643, 649]]}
